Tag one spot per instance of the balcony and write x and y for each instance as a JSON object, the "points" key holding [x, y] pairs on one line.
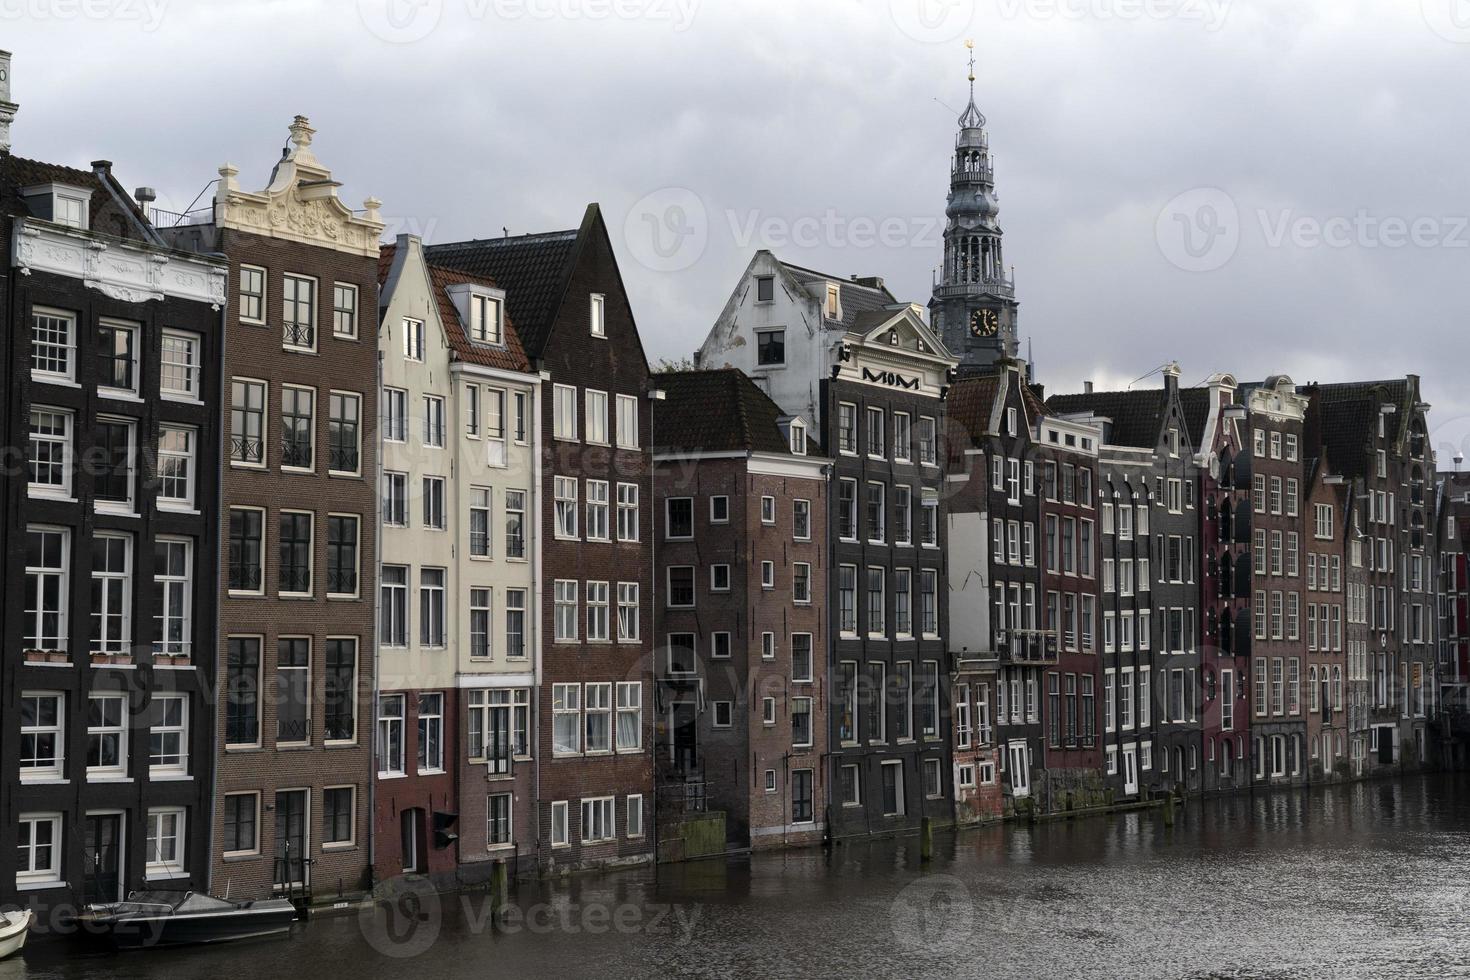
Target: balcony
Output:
{"points": [[1026, 647], [244, 449], [299, 335], [984, 174], [992, 286]]}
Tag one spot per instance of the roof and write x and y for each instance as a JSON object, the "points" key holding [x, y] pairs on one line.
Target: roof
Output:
{"points": [[855, 298], [1137, 416], [717, 411], [1347, 432], [19, 172], [1195, 403], [971, 402], [532, 269]]}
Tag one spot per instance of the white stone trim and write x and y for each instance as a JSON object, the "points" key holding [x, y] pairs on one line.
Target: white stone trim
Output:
{"points": [[121, 270]]}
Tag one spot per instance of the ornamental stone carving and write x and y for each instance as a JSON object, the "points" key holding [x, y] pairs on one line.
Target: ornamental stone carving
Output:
{"points": [[122, 270]]}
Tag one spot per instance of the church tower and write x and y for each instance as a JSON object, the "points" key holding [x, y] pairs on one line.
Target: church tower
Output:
{"points": [[974, 308]]}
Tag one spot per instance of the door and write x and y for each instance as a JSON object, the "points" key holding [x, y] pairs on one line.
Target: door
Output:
{"points": [[1019, 763], [1130, 770], [291, 840], [684, 742], [410, 838], [103, 858]]}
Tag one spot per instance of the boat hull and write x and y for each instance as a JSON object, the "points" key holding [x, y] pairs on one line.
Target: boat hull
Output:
{"points": [[13, 935], [158, 931]]}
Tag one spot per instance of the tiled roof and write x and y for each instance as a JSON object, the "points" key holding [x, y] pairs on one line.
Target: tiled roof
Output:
{"points": [[511, 357], [1347, 432], [716, 411], [1195, 403], [854, 298], [970, 403], [532, 269], [1035, 406], [1137, 416], [18, 172], [385, 262]]}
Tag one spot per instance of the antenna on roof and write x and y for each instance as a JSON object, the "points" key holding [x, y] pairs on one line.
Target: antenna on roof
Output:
{"points": [[504, 232]]}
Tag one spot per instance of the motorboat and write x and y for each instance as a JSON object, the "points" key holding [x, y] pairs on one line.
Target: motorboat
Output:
{"points": [[14, 927], [151, 919]]}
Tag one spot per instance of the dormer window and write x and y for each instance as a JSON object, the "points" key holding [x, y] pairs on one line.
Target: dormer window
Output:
{"points": [[832, 312], [61, 204], [485, 320], [798, 439], [597, 315]]}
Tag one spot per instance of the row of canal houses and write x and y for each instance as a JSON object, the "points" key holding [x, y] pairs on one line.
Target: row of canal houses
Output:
{"points": [[332, 561]]}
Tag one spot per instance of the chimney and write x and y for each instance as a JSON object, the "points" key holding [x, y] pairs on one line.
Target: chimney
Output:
{"points": [[7, 108], [1087, 387], [1171, 376]]}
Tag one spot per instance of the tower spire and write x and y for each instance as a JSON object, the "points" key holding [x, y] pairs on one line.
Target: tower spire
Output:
{"points": [[972, 117]]}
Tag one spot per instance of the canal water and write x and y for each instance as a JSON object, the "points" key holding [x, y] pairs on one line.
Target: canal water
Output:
{"points": [[1369, 880]]}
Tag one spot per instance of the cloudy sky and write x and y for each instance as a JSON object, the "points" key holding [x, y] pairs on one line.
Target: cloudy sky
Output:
{"points": [[1258, 186]]}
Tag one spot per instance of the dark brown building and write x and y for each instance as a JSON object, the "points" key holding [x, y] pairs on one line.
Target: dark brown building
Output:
{"points": [[741, 510], [299, 513]]}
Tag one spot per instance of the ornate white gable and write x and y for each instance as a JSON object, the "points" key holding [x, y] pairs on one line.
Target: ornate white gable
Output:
{"points": [[301, 203], [122, 270]]}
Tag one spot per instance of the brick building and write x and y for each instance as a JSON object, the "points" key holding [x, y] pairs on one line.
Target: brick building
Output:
{"points": [[565, 296], [1323, 513], [111, 385], [299, 513], [741, 508]]}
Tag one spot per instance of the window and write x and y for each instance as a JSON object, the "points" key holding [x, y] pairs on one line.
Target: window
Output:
{"points": [[847, 599], [801, 582], [113, 465], [431, 607], [50, 452], [719, 578], [479, 522], [902, 439], [627, 512], [247, 422], [847, 428], [431, 732], [485, 320], [42, 735], [679, 517], [627, 434], [117, 356], [903, 519], [929, 602], [241, 823], [173, 574], [413, 339], [801, 722], [298, 312], [629, 716], [597, 612], [564, 604], [390, 735], [339, 805], [680, 586], [796, 438], [627, 612], [768, 575], [719, 509], [498, 820], [179, 365], [434, 422], [564, 510], [295, 553], [559, 824], [293, 689], [768, 510], [892, 788], [598, 822], [801, 520], [434, 503], [877, 427], [339, 690], [39, 840], [566, 718], [564, 412], [770, 347], [903, 595], [833, 310], [107, 735], [46, 588], [765, 289], [53, 345], [242, 687], [801, 657], [495, 447], [480, 623], [112, 593], [596, 314], [595, 419], [875, 610], [175, 465], [877, 515], [847, 525], [929, 522], [395, 415], [252, 294], [342, 548], [395, 499], [344, 310], [515, 524]]}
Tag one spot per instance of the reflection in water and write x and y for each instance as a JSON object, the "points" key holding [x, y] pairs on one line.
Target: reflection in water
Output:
{"points": [[1365, 880]]}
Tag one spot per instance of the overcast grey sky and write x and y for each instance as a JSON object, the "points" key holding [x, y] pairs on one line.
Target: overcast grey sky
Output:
{"points": [[1258, 186]]}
